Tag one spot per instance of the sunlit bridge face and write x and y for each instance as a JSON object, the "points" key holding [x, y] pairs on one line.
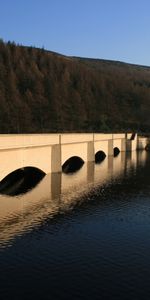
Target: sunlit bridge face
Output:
{"points": [[99, 157], [116, 151], [72, 164], [20, 181]]}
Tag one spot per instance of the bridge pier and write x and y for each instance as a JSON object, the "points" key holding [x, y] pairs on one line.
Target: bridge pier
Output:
{"points": [[123, 144], [90, 151], [56, 159], [110, 147]]}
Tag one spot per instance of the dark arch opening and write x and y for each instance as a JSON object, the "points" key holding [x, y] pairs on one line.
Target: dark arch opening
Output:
{"points": [[20, 181], [72, 164], [116, 151], [99, 157]]}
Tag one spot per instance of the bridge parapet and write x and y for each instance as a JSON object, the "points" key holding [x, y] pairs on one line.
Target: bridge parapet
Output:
{"points": [[75, 138], [27, 140], [102, 137]]}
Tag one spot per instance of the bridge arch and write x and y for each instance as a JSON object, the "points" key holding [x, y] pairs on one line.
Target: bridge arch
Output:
{"points": [[72, 164], [21, 180], [99, 156], [116, 151], [70, 151]]}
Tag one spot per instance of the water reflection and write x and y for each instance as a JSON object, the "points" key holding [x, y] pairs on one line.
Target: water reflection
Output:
{"points": [[57, 193]]}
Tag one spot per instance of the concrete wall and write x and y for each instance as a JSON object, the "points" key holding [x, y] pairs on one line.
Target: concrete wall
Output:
{"points": [[101, 146], [131, 144], [48, 152]]}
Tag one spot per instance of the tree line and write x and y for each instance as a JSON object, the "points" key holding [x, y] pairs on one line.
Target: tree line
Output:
{"points": [[42, 91]]}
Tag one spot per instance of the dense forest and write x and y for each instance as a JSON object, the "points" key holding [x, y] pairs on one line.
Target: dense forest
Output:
{"points": [[42, 91]]}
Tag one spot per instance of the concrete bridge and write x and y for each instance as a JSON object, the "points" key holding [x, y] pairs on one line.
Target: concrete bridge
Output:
{"points": [[58, 192], [49, 152]]}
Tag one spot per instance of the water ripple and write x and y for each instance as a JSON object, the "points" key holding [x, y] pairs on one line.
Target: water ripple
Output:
{"points": [[86, 236]]}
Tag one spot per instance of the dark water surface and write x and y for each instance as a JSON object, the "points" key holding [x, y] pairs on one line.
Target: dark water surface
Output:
{"points": [[80, 236]]}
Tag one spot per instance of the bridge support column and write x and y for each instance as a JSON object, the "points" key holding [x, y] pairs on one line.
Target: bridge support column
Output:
{"points": [[123, 145], [90, 151], [56, 159], [128, 145], [110, 147]]}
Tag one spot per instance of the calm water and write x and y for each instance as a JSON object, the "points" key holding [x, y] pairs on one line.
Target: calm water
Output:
{"points": [[80, 236]]}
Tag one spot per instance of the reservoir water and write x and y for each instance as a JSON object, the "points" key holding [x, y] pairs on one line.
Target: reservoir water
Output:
{"points": [[80, 236]]}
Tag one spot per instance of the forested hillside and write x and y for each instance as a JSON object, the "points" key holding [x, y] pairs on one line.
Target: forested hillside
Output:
{"points": [[42, 91]]}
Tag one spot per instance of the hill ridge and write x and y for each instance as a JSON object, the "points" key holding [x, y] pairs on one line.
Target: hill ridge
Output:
{"points": [[44, 91]]}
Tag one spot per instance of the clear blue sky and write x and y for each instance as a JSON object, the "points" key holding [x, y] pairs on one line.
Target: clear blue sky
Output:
{"points": [[109, 29]]}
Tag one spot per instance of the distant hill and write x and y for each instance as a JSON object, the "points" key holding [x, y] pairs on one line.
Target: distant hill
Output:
{"points": [[43, 91]]}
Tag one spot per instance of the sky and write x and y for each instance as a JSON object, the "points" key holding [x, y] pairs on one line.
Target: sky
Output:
{"points": [[105, 29]]}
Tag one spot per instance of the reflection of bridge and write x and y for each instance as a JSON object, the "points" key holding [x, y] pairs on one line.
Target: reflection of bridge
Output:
{"points": [[58, 192], [48, 152]]}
